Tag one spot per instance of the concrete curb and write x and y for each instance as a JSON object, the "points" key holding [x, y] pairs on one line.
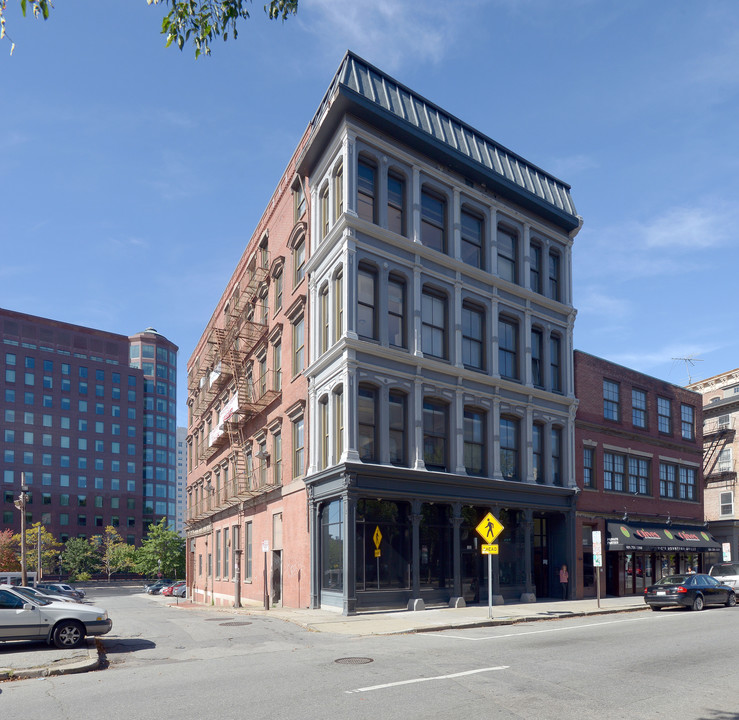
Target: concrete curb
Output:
{"points": [[61, 667]]}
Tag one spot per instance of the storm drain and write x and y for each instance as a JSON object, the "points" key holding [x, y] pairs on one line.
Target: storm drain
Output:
{"points": [[353, 661], [234, 623]]}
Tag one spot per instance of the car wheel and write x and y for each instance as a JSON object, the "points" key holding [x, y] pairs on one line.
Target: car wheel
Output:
{"points": [[732, 600], [698, 602], [654, 607], [68, 634]]}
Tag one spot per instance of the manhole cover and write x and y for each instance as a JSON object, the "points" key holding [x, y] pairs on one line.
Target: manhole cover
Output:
{"points": [[235, 623], [353, 661]]}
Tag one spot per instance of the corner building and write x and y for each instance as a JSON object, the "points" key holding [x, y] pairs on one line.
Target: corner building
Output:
{"points": [[435, 348]]}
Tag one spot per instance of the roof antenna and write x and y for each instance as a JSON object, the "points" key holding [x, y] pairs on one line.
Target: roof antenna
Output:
{"points": [[689, 361]]}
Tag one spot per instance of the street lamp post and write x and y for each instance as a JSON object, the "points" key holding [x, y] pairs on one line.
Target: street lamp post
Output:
{"points": [[20, 503]]}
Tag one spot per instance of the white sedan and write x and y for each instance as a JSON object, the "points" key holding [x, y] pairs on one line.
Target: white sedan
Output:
{"points": [[63, 623]]}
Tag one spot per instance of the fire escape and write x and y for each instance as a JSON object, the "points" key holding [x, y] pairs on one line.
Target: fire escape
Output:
{"points": [[718, 434], [227, 362]]}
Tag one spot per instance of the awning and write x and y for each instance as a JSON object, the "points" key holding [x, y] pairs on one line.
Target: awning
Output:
{"points": [[659, 538]]}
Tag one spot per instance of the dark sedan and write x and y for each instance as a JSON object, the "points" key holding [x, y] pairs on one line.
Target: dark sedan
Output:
{"points": [[693, 591]]}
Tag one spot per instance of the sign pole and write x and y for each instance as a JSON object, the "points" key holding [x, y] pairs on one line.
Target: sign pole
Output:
{"points": [[597, 584], [490, 587], [597, 560], [489, 529]]}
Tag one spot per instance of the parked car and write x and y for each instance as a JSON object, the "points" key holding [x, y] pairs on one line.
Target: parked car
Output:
{"points": [[181, 591], [63, 623], [157, 587], [693, 591], [156, 581], [64, 589], [33, 592], [169, 590], [726, 573]]}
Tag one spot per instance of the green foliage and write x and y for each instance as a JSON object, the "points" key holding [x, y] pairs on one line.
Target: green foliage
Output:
{"points": [[163, 550], [50, 547], [204, 20], [40, 8], [115, 555], [80, 557], [9, 559]]}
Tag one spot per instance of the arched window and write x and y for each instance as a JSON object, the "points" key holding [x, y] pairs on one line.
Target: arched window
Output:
{"points": [[366, 189], [435, 435], [367, 423], [474, 441], [433, 221]]}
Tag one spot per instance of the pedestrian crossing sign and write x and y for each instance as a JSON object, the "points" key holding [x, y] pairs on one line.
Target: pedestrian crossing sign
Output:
{"points": [[489, 528]]}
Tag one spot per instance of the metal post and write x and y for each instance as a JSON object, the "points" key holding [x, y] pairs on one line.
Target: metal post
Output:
{"points": [[21, 505], [266, 591], [490, 586], [39, 573]]}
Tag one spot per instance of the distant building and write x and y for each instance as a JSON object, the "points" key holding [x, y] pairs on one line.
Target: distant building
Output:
{"points": [[393, 353], [639, 449], [87, 419], [181, 475], [720, 453]]}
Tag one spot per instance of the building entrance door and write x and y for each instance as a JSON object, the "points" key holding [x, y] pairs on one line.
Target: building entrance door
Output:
{"points": [[277, 577], [541, 557]]}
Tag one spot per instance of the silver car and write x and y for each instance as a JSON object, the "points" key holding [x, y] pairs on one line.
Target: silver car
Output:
{"points": [[726, 573], [61, 623]]}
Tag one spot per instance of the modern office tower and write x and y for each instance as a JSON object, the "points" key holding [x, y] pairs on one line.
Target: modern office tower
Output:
{"points": [[76, 426]]}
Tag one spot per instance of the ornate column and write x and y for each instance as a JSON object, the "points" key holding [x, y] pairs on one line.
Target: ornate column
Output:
{"points": [[529, 594], [350, 555], [456, 522], [415, 602]]}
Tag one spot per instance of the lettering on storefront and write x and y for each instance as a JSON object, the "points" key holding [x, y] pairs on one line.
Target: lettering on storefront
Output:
{"points": [[648, 534]]}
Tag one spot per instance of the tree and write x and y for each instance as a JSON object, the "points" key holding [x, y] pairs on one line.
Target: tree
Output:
{"points": [[9, 551], [115, 555], [163, 550], [80, 558], [199, 20], [50, 547]]}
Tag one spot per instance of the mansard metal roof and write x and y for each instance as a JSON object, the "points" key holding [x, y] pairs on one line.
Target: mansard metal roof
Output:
{"points": [[361, 89]]}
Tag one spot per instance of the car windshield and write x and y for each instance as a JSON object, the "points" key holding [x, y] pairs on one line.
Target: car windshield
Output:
{"points": [[673, 580], [37, 599], [725, 569]]}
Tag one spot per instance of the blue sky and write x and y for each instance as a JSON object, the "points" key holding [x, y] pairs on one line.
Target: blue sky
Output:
{"points": [[132, 176]]}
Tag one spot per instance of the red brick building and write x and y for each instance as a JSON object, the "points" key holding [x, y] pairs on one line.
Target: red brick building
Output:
{"points": [[638, 450]]}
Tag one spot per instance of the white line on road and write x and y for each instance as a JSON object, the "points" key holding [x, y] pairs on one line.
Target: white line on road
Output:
{"points": [[426, 679], [535, 632]]}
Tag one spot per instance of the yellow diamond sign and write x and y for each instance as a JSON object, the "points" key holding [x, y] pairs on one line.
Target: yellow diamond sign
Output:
{"points": [[489, 528], [377, 537]]}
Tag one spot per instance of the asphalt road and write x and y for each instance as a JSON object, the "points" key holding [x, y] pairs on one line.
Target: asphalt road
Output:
{"points": [[196, 664]]}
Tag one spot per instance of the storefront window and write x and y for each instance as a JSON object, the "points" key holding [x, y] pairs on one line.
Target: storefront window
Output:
{"points": [[391, 569], [436, 544], [332, 546]]}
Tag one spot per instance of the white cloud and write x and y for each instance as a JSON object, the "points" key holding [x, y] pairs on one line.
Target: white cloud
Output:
{"points": [[388, 30], [688, 227], [594, 302]]}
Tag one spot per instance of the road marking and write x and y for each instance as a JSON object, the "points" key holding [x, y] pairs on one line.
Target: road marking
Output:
{"points": [[427, 679], [537, 632]]}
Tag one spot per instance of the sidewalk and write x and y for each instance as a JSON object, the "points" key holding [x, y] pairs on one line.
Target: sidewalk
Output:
{"points": [[27, 660]]}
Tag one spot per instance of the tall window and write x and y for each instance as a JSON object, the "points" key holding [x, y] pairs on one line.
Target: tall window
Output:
{"points": [[298, 200], [726, 500], [686, 478], [277, 365], [298, 346], [366, 302], [324, 320], [298, 448], [338, 306], [338, 425], [535, 268], [397, 428], [554, 275], [723, 462], [687, 422], [556, 440], [638, 408], [508, 348], [435, 435], [474, 442], [555, 362], [638, 476], [433, 324], [613, 472], [507, 255], [664, 415], [588, 463], [396, 312], [277, 458], [325, 218], [278, 291], [366, 205], [218, 553], [610, 400], [433, 221], [396, 204], [537, 445], [367, 423], [666, 480], [536, 347], [472, 239], [509, 453], [338, 192], [247, 551], [299, 262], [324, 431], [473, 340]]}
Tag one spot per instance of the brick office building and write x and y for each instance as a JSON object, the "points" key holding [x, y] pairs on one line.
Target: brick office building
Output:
{"points": [[88, 419], [411, 278], [639, 448]]}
